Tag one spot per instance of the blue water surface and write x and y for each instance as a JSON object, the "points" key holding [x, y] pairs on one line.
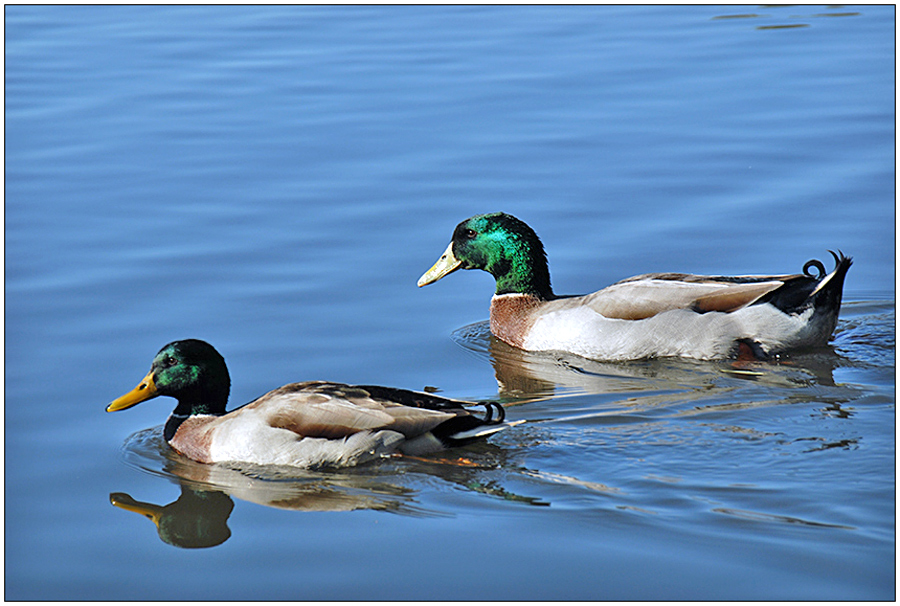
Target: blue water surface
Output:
{"points": [[275, 179]]}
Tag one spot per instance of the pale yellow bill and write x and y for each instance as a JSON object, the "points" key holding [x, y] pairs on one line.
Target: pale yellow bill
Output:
{"points": [[445, 265], [145, 390]]}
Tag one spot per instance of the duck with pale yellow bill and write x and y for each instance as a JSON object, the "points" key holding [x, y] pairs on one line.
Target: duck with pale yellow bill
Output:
{"points": [[647, 316]]}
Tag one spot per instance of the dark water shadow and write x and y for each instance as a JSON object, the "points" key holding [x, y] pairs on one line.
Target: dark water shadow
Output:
{"points": [[799, 16]]}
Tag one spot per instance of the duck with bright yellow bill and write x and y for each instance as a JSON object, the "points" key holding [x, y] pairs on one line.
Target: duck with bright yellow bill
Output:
{"points": [[309, 424]]}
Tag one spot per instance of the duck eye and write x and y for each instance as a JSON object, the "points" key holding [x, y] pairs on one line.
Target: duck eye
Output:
{"points": [[170, 361], [471, 233]]}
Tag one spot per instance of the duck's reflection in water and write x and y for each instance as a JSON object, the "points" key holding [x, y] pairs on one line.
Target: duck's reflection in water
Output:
{"points": [[199, 517], [524, 376]]}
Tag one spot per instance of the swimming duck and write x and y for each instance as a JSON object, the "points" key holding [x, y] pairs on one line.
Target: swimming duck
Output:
{"points": [[309, 424], [651, 315]]}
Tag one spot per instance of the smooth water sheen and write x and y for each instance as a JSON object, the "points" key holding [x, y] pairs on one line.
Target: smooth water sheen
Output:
{"points": [[275, 179]]}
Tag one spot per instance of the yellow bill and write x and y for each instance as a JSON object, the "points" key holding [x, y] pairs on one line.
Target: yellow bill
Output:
{"points": [[145, 390], [148, 510], [445, 265]]}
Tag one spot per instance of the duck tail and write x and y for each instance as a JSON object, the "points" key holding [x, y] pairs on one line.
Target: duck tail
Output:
{"points": [[830, 289], [825, 299]]}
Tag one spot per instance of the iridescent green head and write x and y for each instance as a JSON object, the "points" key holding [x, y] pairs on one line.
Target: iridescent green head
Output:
{"points": [[501, 245], [191, 371]]}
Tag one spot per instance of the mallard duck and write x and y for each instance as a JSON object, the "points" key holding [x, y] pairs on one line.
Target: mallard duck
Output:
{"points": [[651, 315], [308, 424]]}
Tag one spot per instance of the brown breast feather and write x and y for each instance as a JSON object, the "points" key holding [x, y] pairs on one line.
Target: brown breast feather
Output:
{"points": [[512, 317], [194, 437]]}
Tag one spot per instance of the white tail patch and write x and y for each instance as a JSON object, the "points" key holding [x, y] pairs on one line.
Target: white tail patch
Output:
{"points": [[823, 283], [484, 430]]}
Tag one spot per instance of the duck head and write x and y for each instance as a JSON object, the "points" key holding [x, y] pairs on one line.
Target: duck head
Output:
{"points": [[191, 371], [501, 245]]}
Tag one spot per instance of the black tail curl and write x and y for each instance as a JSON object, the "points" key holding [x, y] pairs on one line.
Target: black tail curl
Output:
{"points": [[489, 408], [820, 267]]}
